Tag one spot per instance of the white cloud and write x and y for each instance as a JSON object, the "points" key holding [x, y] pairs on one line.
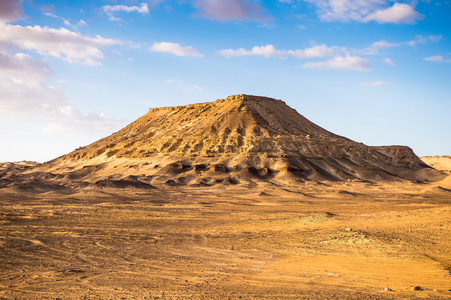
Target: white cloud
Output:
{"points": [[66, 22], [339, 56], [374, 48], [374, 83], [348, 62], [187, 87], [398, 13], [109, 10], [23, 89], [265, 51], [434, 58], [61, 43], [231, 10], [10, 10], [316, 51], [388, 61], [24, 94], [365, 11], [176, 49], [269, 50], [345, 10], [22, 67]]}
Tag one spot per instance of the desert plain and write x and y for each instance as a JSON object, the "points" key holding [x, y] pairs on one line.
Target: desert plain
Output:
{"points": [[318, 240], [241, 198]]}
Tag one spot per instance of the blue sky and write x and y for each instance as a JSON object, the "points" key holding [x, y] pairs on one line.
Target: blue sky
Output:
{"points": [[375, 71]]}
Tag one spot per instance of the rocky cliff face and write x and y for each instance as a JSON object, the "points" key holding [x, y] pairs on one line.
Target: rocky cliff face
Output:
{"points": [[239, 138]]}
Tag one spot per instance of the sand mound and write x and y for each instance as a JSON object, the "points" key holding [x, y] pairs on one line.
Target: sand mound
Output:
{"points": [[34, 187]]}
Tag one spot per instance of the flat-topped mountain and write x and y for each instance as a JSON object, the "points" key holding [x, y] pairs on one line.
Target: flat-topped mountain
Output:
{"points": [[242, 138], [237, 125]]}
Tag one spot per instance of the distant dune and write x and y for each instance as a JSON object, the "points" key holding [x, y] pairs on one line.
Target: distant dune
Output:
{"points": [[438, 162]]}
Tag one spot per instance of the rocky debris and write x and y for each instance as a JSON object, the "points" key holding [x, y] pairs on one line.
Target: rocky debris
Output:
{"points": [[387, 289], [416, 288], [218, 168]]}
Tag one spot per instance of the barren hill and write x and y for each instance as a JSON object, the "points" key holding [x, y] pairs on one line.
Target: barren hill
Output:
{"points": [[237, 125], [240, 139]]}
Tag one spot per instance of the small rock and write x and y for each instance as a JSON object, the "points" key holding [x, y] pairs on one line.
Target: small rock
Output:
{"points": [[348, 229], [387, 289], [231, 248], [416, 288]]}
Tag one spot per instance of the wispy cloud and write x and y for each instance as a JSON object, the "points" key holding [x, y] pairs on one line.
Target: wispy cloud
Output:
{"points": [[365, 11], [60, 43], [231, 10], [66, 22], [270, 51], [376, 47], [388, 61], [10, 10], [24, 94], [187, 87], [175, 49], [110, 10], [349, 62], [436, 58], [373, 84], [419, 39]]}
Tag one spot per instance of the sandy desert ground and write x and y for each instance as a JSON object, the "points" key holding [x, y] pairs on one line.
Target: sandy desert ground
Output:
{"points": [[317, 240]]}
